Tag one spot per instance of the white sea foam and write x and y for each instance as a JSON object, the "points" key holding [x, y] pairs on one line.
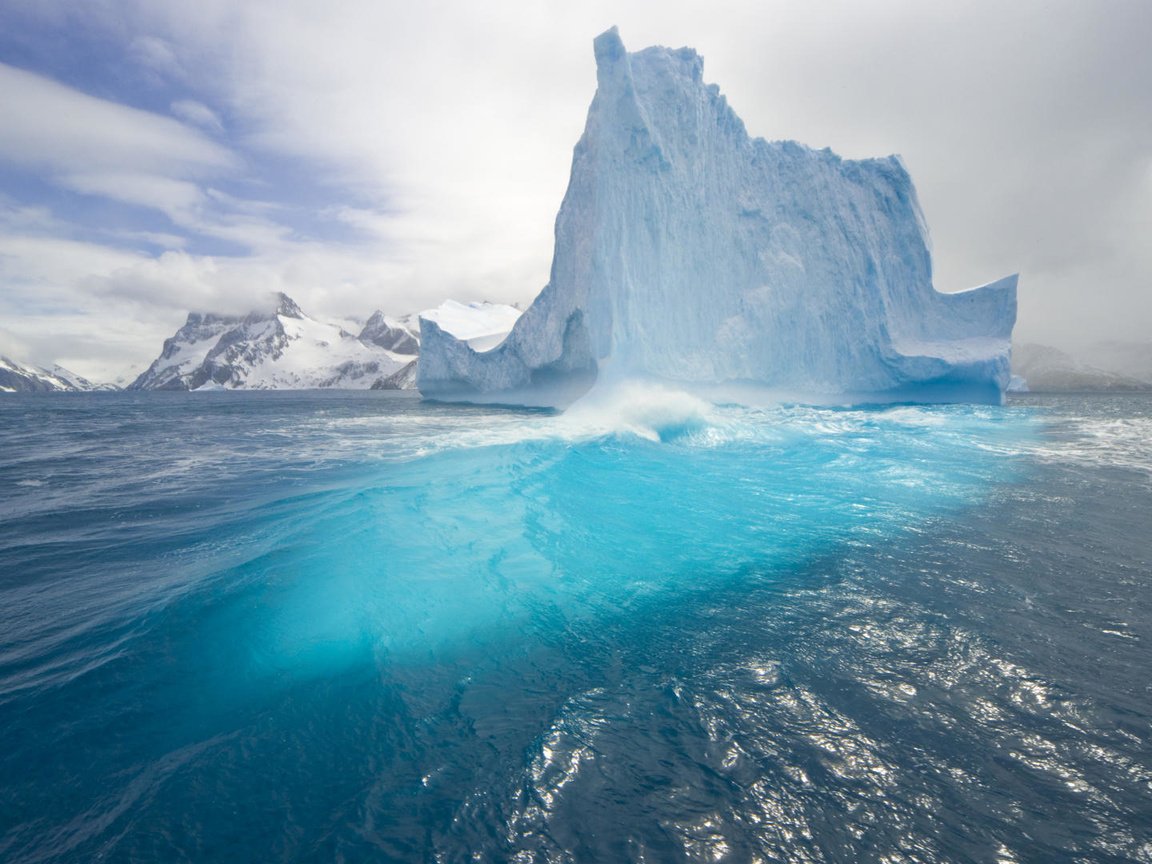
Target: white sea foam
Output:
{"points": [[1118, 442], [647, 410]]}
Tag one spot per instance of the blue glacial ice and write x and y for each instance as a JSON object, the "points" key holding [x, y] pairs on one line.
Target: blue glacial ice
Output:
{"points": [[688, 252]]}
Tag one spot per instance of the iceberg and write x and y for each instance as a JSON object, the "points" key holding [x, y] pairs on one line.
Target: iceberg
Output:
{"points": [[687, 251]]}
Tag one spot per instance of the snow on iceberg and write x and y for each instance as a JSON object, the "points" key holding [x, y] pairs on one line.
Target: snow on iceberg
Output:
{"points": [[482, 325], [689, 252]]}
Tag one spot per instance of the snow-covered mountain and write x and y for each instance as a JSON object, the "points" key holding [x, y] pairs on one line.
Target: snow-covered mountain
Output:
{"points": [[688, 251], [404, 379], [283, 349], [1109, 367], [18, 377], [480, 324], [1128, 359], [390, 334]]}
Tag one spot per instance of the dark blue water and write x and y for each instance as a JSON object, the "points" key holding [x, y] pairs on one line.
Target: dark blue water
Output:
{"points": [[356, 627]]}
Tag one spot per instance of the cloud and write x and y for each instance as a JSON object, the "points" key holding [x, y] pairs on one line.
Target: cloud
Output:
{"points": [[46, 272], [173, 197], [18, 217], [51, 127], [116, 351], [13, 346], [198, 114], [159, 56], [455, 145], [325, 280], [99, 148]]}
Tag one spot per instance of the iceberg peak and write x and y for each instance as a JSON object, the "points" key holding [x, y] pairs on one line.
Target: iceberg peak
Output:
{"points": [[609, 49], [689, 252]]}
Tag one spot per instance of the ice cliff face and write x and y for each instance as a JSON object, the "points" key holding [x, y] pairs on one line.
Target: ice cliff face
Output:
{"points": [[688, 251], [282, 349]]}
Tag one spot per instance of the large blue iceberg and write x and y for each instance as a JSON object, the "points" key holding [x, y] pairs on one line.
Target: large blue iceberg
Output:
{"points": [[688, 252]]}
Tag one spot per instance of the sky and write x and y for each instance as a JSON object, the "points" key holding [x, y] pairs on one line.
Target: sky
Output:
{"points": [[161, 156]]}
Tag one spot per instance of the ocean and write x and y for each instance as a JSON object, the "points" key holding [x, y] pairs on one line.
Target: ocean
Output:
{"points": [[351, 627]]}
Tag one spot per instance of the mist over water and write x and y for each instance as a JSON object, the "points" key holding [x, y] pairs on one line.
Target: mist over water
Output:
{"points": [[305, 626]]}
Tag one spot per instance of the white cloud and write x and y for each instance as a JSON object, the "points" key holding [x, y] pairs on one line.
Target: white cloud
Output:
{"points": [[52, 127], [426, 117], [24, 217], [114, 349], [101, 148], [40, 271], [173, 197], [159, 56], [14, 346], [46, 290], [198, 114]]}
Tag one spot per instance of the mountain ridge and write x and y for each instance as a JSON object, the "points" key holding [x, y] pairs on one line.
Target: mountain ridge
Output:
{"points": [[19, 377], [281, 349]]}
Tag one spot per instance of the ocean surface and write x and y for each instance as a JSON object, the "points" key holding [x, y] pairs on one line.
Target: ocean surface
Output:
{"points": [[355, 627]]}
